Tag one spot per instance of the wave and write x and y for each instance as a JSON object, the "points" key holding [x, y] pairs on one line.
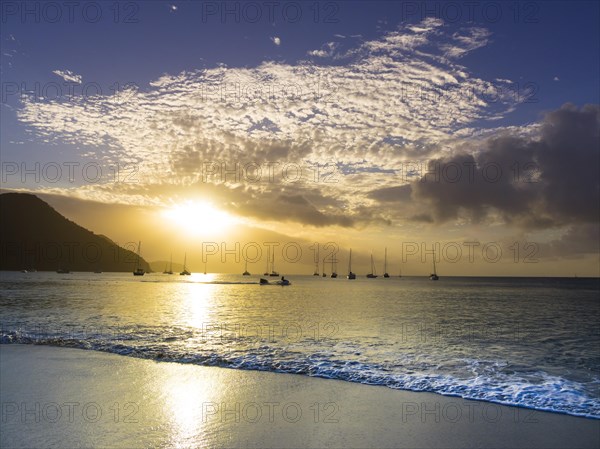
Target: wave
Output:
{"points": [[548, 393]]}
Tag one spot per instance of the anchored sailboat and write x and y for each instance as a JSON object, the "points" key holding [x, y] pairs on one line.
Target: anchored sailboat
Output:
{"points": [[273, 273], [170, 270], [316, 273], [139, 271], [246, 272], [185, 271], [333, 269], [351, 275], [433, 276], [385, 273], [266, 273], [372, 274]]}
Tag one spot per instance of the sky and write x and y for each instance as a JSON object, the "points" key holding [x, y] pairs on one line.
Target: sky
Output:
{"points": [[468, 128]]}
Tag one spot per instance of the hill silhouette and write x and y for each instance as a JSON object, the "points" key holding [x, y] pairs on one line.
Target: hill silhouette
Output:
{"points": [[34, 235]]}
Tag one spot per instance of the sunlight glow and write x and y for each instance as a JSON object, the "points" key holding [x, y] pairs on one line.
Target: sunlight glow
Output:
{"points": [[199, 218]]}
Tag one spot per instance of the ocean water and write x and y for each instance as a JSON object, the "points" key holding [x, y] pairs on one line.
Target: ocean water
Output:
{"points": [[530, 342]]}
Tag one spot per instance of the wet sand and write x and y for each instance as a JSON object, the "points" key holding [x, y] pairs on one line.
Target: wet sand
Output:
{"points": [[71, 398]]}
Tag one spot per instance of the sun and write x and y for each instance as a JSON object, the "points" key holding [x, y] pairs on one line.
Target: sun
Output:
{"points": [[199, 218]]}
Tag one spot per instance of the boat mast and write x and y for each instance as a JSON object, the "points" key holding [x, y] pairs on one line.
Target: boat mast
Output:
{"points": [[385, 262], [137, 263], [350, 262], [268, 259]]}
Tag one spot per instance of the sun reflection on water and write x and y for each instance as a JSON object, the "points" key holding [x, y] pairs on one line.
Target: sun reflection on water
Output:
{"points": [[197, 301]]}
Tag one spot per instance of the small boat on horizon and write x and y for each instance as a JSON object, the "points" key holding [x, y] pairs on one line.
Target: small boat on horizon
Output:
{"points": [[350, 275], [333, 268], [170, 270], [246, 272], [372, 274], [185, 271], [273, 273], [139, 271], [385, 273], [433, 276], [266, 273]]}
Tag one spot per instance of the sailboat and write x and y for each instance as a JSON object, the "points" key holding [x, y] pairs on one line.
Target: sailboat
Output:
{"points": [[185, 272], [316, 273], [333, 270], [170, 270], [400, 272], [385, 273], [433, 276], [372, 274], [273, 273], [246, 272], [139, 271], [266, 273], [351, 275], [324, 274]]}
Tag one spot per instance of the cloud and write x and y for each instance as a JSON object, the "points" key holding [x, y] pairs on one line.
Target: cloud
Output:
{"points": [[392, 194], [541, 182], [577, 240], [69, 76], [389, 99], [465, 41], [276, 40], [326, 51]]}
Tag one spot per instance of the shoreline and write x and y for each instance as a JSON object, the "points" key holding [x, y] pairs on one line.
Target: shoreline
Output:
{"points": [[56, 396], [452, 396]]}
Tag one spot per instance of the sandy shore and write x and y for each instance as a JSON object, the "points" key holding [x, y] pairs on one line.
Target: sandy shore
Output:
{"points": [[70, 398]]}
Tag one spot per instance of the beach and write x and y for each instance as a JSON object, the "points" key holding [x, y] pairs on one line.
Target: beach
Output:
{"points": [[71, 398]]}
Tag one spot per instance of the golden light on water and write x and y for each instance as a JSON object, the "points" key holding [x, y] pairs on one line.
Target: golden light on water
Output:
{"points": [[197, 300]]}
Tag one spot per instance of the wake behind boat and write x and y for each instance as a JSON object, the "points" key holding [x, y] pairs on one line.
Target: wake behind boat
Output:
{"points": [[282, 282]]}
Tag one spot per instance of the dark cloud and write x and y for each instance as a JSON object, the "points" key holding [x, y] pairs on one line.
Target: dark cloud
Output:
{"points": [[534, 183], [392, 194], [423, 218], [577, 241]]}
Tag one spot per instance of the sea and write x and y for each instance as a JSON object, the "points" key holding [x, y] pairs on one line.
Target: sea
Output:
{"points": [[528, 342]]}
